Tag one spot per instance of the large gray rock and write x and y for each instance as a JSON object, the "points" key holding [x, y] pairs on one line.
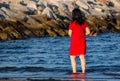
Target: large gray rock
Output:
{"points": [[49, 13], [52, 2], [31, 4], [25, 18], [82, 4], [2, 15], [18, 8], [116, 4], [12, 15]]}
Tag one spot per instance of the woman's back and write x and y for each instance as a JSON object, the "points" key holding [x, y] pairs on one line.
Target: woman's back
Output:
{"points": [[78, 31]]}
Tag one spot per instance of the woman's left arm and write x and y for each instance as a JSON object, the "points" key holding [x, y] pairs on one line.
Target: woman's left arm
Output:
{"points": [[87, 31], [69, 32]]}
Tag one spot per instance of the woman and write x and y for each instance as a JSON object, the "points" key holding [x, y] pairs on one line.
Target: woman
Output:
{"points": [[78, 28]]}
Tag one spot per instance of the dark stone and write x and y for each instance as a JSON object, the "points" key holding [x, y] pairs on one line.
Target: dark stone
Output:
{"points": [[4, 4]]}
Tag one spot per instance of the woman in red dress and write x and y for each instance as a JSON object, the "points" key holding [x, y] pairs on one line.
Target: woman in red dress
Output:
{"points": [[78, 28]]}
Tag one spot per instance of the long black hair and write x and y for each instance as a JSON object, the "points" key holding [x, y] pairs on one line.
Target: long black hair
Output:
{"points": [[78, 16]]}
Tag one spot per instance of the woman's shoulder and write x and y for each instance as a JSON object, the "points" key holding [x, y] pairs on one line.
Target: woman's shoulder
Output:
{"points": [[72, 22], [84, 22], [75, 23]]}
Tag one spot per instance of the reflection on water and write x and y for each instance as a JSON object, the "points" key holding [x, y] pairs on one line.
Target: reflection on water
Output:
{"points": [[77, 76], [49, 57]]}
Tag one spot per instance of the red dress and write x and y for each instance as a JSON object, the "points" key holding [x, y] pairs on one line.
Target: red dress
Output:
{"points": [[77, 41]]}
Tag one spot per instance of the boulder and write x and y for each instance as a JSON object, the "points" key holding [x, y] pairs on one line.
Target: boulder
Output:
{"points": [[81, 4], [10, 15], [12, 33], [96, 24], [2, 15], [4, 36], [46, 2], [40, 18], [47, 11], [102, 1], [116, 4], [54, 28], [18, 8], [26, 18], [31, 4], [64, 12], [40, 7]]}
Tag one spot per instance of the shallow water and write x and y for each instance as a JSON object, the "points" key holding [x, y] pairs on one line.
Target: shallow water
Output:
{"points": [[49, 57]]}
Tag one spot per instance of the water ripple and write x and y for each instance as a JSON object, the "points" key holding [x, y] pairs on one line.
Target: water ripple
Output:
{"points": [[49, 56]]}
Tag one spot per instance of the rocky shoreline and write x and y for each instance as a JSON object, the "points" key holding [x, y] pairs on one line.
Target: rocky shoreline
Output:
{"points": [[20, 19]]}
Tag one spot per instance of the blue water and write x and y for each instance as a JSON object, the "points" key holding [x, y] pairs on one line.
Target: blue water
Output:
{"points": [[45, 57]]}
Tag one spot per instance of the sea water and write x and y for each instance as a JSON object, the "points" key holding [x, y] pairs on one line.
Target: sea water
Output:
{"points": [[45, 57]]}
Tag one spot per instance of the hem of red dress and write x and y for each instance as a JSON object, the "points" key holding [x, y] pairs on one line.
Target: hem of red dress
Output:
{"points": [[76, 54]]}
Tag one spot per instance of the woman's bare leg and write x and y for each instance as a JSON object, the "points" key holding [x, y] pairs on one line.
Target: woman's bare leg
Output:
{"points": [[83, 63], [73, 63]]}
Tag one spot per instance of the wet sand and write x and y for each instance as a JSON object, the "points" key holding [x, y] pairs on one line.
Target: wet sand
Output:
{"points": [[50, 79], [72, 77]]}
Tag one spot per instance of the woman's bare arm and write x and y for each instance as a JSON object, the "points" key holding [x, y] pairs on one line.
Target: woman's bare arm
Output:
{"points": [[69, 32], [87, 31]]}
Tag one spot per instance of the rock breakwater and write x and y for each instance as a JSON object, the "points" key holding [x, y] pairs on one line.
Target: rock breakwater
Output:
{"points": [[20, 19]]}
